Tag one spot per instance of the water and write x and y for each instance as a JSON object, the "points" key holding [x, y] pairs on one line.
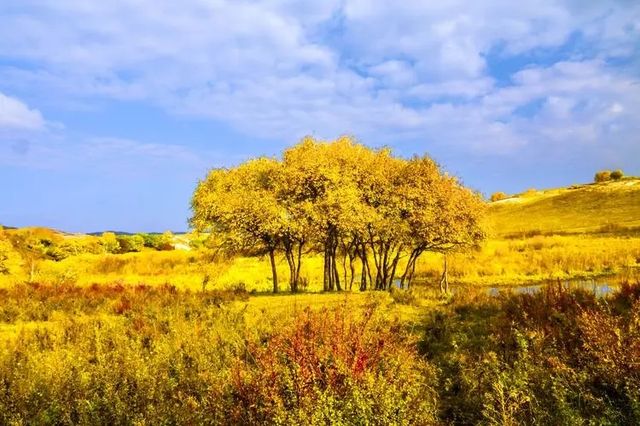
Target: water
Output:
{"points": [[599, 286]]}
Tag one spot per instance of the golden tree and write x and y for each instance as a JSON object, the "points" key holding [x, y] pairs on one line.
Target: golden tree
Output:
{"points": [[339, 197]]}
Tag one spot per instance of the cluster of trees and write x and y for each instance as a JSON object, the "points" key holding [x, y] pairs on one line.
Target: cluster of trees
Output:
{"points": [[607, 175], [24, 249], [360, 208], [118, 244]]}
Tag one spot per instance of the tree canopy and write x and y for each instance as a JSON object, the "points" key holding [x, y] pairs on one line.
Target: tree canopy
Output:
{"points": [[344, 200]]}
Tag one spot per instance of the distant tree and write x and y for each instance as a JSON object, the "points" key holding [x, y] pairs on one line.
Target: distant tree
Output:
{"points": [[137, 242], [151, 240], [109, 242], [497, 196], [617, 174], [33, 245], [130, 243], [166, 241], [10, 260], [602, 176]]}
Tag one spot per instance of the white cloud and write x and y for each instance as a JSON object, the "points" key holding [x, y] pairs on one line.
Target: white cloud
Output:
{"points": [[384, 70], [16, 115]]}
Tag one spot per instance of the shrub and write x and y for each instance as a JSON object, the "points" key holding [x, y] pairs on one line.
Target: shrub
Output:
{"points": [[334, 367], [151, 240], [130, 243], [109, 242], [617, 174], [551, 357], [497, 196], [166, 241], [602, 176], [9, 258]]}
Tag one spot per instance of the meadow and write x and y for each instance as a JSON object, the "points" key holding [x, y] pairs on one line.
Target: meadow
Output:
{"points": [[115, 354], [167, 330]]}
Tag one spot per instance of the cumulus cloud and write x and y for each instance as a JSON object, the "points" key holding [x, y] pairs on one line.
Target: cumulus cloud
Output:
{"points": [[383, 70], [16, 115]]}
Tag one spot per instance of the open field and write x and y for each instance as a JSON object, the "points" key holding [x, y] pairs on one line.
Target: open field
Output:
{"points": [[555, 234], [499, 261], [112, 354], [591, 208], [186, 336]]}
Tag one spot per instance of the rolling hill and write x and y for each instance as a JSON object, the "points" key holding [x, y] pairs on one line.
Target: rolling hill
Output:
{"points": [[603, 207]]}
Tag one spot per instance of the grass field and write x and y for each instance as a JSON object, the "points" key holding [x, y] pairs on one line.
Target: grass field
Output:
{"points": [[141, 338], [113, 354], [585, 232], [603, 207]]}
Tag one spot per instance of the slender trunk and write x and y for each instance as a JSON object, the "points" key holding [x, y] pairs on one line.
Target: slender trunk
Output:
{"points": [[352, 268], [292, 270], [330, 248], [366, 278], [383, 266], [274, 271], [336, 275], [363, 274], [299, 265], [413, 270], [394, 265], [344, 264], [325, 273], [289, 251], [444, 280], [407, 275]]}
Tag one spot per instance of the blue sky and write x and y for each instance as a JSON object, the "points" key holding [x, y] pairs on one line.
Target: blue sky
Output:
{"points": [[111, 111]]}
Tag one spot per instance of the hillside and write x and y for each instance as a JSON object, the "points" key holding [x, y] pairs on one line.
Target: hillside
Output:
{"points": [[610, 206]]}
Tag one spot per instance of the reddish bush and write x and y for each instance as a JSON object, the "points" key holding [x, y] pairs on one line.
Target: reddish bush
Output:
{"points": [[334, 357]]}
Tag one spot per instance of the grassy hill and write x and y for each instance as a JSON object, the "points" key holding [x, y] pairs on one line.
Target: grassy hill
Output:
{"points": [[602, 207]]}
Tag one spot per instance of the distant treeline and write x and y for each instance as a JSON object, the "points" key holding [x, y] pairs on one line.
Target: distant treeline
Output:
{"points": [[24, 248]]}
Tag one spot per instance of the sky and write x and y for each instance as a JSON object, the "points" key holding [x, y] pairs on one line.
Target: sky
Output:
{"points": [[110, 111]]}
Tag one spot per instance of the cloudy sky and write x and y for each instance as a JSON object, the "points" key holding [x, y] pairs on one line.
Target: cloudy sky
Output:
{"points": [[110, 111]]}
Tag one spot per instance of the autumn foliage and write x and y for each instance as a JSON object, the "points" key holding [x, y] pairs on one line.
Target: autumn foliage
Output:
{"points": [[352, 204]]}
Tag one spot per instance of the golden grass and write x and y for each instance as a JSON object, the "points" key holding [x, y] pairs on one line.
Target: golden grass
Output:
{"points": [[498, 261], [586, 208]]}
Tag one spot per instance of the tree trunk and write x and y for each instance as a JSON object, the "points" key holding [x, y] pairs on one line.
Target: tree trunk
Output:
{"points": [[299, 265], [407, 276], [344, 266], [294, 262], [352, 268], [325, 274], [394, 265], [274, 271], [365, 277], [334, 265], [444, 281]]}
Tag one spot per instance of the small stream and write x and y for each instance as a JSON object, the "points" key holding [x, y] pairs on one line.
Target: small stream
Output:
{"points": [[601, 286]]}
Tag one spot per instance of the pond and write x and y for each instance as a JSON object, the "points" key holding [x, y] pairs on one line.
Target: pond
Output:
{"points": [[601, 286]]}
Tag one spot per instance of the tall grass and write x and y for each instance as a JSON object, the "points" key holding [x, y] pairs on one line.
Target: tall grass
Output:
{"points": [[553, 357], [155, 355]]}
